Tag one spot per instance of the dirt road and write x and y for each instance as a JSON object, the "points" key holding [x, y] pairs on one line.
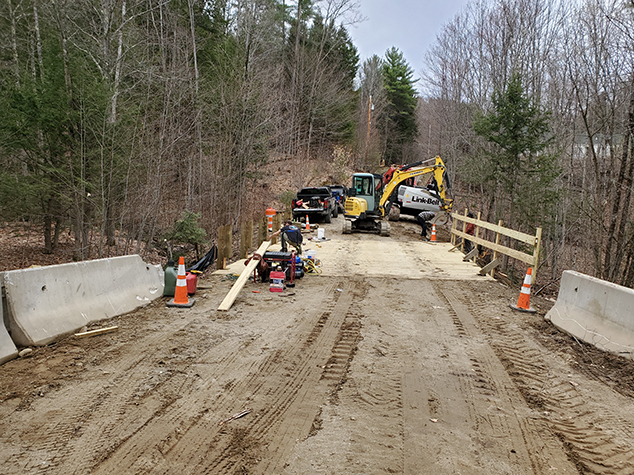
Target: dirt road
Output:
{"points": [[397, 359]]}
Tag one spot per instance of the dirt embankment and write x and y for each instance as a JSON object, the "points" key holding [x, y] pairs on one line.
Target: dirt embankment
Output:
{"points": [[396, 359]]}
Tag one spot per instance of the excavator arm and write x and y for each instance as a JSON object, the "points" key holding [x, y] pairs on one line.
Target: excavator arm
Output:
{"points": [[414, 170]]}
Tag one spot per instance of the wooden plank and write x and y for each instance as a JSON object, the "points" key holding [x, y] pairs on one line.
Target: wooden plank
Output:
{"points": [[520, 256], [455, 247], [490, 266], [471, 254], [100, 331], [237, 287], [519, 236]]}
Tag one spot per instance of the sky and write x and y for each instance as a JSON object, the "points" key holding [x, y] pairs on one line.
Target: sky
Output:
{"points": [[410, 25]]}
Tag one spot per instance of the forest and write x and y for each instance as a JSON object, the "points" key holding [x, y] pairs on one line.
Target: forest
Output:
{"points": [[118, 116]]}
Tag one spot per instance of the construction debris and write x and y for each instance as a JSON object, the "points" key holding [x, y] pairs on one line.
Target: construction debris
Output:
{"points": [[100, 331], [236, 416]]}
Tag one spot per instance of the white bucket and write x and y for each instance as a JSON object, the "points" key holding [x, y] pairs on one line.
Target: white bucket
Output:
{"points": [[310, 254], [320, 233]]}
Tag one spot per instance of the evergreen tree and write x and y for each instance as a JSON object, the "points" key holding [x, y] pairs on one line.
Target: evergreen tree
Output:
{"points": [[399, 119], [518, 164]]}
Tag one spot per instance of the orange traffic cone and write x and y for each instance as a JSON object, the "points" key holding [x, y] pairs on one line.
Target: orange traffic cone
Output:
{"points": [[180, 295], [307, 224], [523, 303], [433, 233]]}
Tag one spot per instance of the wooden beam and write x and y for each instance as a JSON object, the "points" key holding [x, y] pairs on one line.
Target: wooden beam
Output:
{"points": [[100, 331], [455, 247], [490, 266], [517, 235], [237, 287], [472, 253], [521, 256]]}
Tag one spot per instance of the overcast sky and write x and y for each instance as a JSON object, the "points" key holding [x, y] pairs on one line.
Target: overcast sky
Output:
{"points": [[410, 25]]}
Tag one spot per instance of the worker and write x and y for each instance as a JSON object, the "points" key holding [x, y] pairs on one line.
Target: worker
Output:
{"points": [[290, 234], [423, 219], [433, 189], [470, 229]]}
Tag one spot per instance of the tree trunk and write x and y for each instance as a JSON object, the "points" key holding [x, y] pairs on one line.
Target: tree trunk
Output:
{"points": [[14, 45], [117, 69]]}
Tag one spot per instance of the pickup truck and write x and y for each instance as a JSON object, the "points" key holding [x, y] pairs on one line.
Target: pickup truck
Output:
{"points": [[339, 192], [316, 202]]}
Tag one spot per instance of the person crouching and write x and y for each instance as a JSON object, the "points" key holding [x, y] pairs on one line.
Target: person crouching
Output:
{"points": [[423, 218], [290, 234]]}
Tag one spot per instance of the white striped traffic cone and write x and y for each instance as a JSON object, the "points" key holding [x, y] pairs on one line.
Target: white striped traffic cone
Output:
{"points": [[180, 295], [523, 303]]}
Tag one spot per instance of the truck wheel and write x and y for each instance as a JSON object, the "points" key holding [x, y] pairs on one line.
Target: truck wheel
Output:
{"points": [[328, 218], [347, 226], [384, 228]]}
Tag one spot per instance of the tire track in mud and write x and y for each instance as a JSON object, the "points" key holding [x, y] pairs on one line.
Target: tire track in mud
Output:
{"points": [[259, 380], [296, 403], [537, 446], [563, 408], [284, 389], [73, 435]]}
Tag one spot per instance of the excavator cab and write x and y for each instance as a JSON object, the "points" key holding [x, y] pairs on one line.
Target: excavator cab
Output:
{"points": [[363, 184], [362, 209]]}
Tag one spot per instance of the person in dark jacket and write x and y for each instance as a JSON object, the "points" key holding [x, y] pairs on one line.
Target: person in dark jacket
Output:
{"points": [[470, 229], [423, 219], [290, 234]]}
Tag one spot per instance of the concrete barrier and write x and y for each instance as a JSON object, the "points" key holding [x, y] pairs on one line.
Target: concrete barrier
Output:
{"points": [[8, 351], [595, 311], [45, 303]]}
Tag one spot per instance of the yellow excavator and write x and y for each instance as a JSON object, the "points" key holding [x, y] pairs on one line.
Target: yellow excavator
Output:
{"points": [[371, 196]]}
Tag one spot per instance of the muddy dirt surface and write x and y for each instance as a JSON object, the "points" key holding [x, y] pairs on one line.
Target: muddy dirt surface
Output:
{"points": [[396, 359]]}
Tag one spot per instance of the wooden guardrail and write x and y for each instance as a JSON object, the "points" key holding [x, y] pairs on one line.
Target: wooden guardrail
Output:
{"points": [[533, 242]]}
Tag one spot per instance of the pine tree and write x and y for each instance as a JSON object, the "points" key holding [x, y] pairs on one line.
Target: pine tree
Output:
{"points": [[518, 164], [399, 120]]}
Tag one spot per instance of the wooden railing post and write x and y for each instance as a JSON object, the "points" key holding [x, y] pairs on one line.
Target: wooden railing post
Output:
{"points": [[477, 228], [246, 238], [277, 224], [538, 244], [224, 245], [495, 253], [263, 230]]}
